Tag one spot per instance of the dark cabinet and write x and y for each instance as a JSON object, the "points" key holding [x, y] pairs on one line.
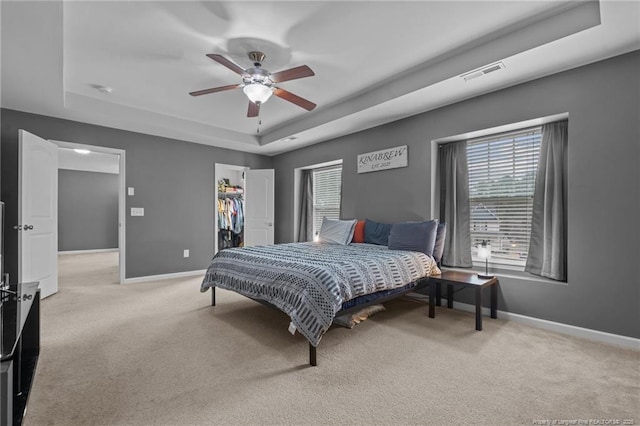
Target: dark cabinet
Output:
{"points": [[20, 328]]}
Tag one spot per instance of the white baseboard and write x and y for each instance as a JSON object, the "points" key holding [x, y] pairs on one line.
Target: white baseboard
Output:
{"points": [[571, 330], [86, 251], [164, 276]]}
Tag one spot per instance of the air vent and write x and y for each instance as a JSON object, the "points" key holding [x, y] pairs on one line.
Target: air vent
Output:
{"points": [[483, 71]]}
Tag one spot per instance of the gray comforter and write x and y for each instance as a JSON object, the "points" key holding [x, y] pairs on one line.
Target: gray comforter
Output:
{"points": [[311, 281]]}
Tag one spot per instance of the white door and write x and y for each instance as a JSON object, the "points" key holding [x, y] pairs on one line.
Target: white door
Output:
{"points": [[258, 207], [38, 213]]}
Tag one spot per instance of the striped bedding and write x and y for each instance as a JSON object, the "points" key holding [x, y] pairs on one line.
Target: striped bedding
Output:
{"points": [[311, 281]]}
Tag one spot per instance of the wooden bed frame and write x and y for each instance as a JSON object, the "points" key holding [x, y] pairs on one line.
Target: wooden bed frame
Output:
{"points": [[313, 359]]}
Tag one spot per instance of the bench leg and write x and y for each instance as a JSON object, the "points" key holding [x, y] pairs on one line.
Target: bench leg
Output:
{"points": [[432, 300], [312, 355], [213, 296], [479, 308], [450, 296], [494, 301], [438, 294]]}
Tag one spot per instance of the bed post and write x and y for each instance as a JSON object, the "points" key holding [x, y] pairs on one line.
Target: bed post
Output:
{"points": [[312, 355], [213, 296]]}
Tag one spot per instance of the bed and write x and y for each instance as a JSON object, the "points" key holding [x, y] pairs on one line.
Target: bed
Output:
{"points": [[315, 282]]}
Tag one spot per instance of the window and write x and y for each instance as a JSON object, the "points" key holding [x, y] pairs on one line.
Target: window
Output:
{"points": [[327, 186], [502, 172]]}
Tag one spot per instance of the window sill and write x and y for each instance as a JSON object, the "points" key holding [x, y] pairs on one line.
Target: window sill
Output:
{"points": [[506, 273]]}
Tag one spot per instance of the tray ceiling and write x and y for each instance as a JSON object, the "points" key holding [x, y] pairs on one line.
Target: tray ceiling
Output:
{"points": [[374, 61]]}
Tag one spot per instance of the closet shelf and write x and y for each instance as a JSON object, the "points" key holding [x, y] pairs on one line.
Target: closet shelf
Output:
{"points": [[229, 194]]}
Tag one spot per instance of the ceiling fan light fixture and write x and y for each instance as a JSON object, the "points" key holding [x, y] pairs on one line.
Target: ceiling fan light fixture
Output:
{"points": [[259, 84], [257, 93]]}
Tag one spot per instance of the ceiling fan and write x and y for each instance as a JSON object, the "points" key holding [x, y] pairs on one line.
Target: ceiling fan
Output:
{"points": [[259, 84]]}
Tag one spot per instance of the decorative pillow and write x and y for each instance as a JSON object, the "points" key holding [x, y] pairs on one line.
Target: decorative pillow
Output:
{"points": [[376, 233], [438, 248], [358, 232], [337, 231], [415, 236], [349, 321]]}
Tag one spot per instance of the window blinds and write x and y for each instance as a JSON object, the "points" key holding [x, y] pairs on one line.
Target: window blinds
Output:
{"points": [[327, 186], [502, 171]]}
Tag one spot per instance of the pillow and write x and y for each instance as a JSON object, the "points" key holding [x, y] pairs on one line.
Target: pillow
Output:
{"points": [[349, 321], [337, 231], [358, 232], [376, 233], [438, 248], [415, 236]]}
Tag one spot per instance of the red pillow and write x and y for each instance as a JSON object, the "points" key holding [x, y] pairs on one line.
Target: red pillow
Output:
{"points": [[358, 233]]}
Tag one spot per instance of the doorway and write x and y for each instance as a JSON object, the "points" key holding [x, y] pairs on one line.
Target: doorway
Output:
{"points": [[229, 201], [95, 190], [254, 191]]}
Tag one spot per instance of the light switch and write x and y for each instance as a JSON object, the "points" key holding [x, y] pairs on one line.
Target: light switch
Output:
{"points": [[130, 190], [137, 211], [185, 253]]}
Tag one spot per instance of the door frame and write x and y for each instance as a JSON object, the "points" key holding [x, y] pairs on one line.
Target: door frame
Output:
{"points": [[122, 208], [218, 169]]}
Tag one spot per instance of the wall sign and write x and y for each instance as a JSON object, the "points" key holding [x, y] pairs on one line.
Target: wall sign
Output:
{"points": [[389, 158]]}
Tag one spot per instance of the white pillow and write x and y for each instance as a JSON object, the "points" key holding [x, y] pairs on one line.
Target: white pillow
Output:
{"points": [[337, 231]]}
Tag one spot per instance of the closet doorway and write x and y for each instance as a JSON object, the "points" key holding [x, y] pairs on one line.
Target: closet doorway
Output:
{"points": [[91, 203], [229, 206], [250, 193]]}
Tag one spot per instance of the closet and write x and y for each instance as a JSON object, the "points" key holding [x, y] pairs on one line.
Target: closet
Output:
{"points": [[229, 206], [243, 206]]}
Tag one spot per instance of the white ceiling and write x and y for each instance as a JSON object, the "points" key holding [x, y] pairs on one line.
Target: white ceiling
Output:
{"points": [[374, 61]]}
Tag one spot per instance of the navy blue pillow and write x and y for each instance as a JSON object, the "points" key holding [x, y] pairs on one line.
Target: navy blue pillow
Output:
{"points": [[438, 249], [415, 236], [376, 233]]}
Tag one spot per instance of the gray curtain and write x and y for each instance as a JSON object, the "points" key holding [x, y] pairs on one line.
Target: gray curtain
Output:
{"points": [[548, 245], [454, 203], [305, 220]]}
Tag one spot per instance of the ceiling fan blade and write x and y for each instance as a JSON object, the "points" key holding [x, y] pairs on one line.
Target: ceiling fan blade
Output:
{"points": [[254, 110], [214, 90], [227, 63], [301, 102], [292, 74]]}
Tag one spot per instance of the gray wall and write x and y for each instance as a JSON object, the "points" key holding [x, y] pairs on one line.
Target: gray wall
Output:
{"points": [[173, 181], [602, 99], [87, 210]]}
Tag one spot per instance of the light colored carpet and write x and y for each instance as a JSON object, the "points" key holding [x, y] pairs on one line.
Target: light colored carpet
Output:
{"points": [[157, 354]]}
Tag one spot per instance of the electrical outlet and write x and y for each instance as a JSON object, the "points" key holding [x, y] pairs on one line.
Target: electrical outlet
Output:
{"points": [[186, 253], [130, 190], [137, 211]]}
